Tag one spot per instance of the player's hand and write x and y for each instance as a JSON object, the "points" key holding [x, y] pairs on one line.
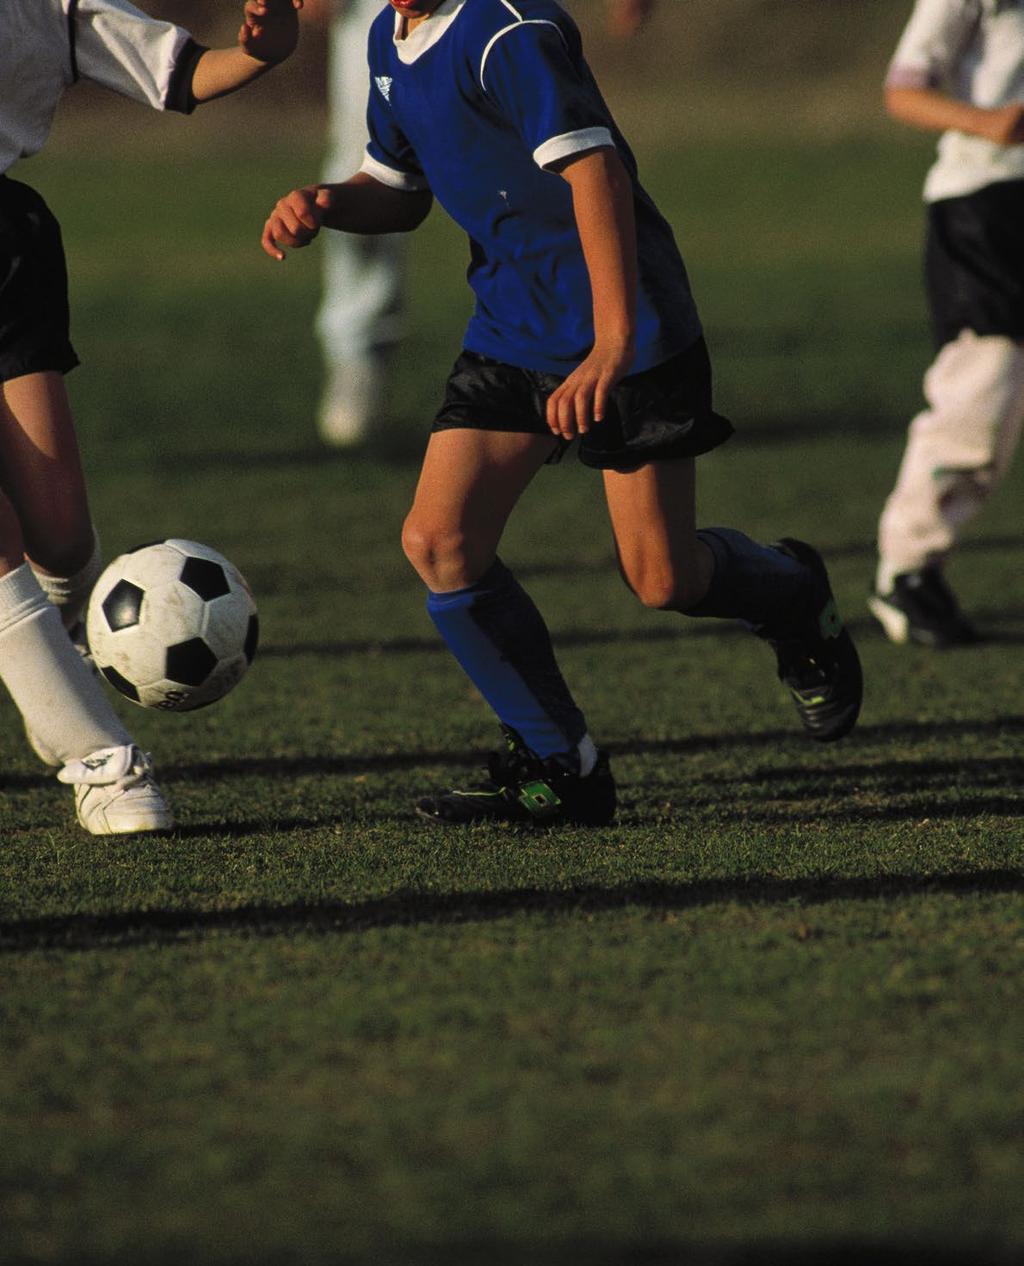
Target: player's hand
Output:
{"points": [[1005, 125], [270, 31], [580, 402], [626, 17], [295, 220]]}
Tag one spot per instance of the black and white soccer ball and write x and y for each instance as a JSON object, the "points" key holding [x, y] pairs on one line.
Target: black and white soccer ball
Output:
{"points": [[172, 625]]}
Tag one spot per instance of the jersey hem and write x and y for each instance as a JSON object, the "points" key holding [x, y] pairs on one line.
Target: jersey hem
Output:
{"points": [[647, 358]]}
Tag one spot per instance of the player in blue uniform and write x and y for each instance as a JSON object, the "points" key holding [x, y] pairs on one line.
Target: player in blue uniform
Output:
{"points": [[584, 328]]}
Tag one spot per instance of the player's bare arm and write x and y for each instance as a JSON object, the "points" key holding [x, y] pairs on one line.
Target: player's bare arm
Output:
{"points": [[602, 194], [268, 34], [357, 205], [936, 111]]}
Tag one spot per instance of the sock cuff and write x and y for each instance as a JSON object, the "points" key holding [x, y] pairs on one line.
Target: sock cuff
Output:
{"points": [[20, 596], [494, 577], [63, 589]]}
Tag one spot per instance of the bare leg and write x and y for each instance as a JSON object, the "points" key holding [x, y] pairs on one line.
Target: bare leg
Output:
{"points": [[653, 516], [41, 472], [469, 485], [470, 482]]}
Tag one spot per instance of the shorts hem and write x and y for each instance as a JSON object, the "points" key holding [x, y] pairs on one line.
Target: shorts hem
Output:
{"points": [[40, 362]]}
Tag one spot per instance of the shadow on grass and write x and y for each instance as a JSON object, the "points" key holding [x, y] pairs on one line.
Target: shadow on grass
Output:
{"points": [[820, 1253], [904, 774], [573, 1252], [410, 908], [672, 630], [864, 736]]}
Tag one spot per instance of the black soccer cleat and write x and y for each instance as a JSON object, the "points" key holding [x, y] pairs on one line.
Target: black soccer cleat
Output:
{"points": [[922, 608], [523, 788], [819, 664]]}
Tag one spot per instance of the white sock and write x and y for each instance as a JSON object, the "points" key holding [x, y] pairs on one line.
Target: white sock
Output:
{"points": [[69, 594], [57, 695], [588, 755]]}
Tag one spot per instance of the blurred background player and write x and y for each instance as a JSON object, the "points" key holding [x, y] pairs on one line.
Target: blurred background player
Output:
{"points": [[49, 555], [959, 70], [361, 311], [584, 328]]}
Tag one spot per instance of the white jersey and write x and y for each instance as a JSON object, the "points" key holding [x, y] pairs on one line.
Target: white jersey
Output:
{"points": [[45, 45], [972, 50]]}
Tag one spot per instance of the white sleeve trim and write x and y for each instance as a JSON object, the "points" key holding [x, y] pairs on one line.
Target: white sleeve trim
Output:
{"points": [[390, 176], [559, 147]]}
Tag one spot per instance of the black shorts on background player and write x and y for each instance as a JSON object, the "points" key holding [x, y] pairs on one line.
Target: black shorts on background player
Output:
{"points": [[974, 263]]}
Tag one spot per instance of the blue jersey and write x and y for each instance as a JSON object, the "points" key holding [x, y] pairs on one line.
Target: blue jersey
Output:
{"points": [[477, 104]]}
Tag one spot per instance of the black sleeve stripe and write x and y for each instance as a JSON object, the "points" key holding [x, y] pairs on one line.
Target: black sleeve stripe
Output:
{"points": [[72, 6], [179, 90]]}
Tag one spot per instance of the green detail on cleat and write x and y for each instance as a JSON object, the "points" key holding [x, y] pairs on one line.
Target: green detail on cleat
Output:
{"points": [[830, 622], [538, 799]]}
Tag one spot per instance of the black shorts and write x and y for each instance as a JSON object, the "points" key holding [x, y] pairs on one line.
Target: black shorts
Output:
{"points": [[34, 321], [661, 413], [974, 263]]}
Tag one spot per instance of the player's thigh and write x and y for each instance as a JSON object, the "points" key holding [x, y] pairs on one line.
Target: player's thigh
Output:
{"points": [[653, 517], [468, 486], [40, 466]]}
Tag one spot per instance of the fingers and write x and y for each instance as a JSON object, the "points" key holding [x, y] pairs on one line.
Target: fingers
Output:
{"points": [[269, 243], [294, 222], [574, 406]]}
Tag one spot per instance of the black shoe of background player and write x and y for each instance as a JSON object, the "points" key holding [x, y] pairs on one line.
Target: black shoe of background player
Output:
{"points": [[523, 788], [819, 664], [922, 608]]}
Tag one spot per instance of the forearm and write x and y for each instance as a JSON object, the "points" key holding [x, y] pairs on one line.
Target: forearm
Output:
{"points": [[363, 205], [268, 35], [223, 70], [936, 111], [603, 203]]}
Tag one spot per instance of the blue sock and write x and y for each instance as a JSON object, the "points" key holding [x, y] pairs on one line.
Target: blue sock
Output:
{"points": [[771, 593], [499, 637]]}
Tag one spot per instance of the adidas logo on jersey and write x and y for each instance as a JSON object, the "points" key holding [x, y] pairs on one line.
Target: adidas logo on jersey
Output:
{"points": [[384, 83]]}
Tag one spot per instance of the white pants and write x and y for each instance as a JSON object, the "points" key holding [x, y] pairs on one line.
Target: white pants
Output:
{"points": [[362, 285], [958, 449]]}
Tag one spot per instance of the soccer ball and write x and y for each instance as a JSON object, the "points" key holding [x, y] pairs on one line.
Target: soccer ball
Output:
{"points": [[172, 625]]}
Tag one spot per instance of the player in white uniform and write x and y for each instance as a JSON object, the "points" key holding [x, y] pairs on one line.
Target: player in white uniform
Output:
{"points": [[49, 556], [959, 70], [362, 300]]}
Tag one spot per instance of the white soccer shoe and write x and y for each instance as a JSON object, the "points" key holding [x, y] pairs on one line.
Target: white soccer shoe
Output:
{"points": [[350, 398], [115, 793]]}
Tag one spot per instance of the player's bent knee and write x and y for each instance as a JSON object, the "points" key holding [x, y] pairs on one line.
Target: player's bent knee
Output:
{"points": [[439, 556]]}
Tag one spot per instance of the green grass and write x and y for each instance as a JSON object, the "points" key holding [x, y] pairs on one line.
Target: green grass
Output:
{"points": [[772, 1011]]}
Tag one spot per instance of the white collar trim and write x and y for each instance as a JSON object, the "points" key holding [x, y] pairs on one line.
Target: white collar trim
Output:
{"points": [[427, 33]]}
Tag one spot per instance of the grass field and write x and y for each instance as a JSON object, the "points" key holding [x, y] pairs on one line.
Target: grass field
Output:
{"points": [[774, 1012]]}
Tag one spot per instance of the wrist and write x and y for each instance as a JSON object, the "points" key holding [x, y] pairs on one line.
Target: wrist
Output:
{"points": [[612, 341]]}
